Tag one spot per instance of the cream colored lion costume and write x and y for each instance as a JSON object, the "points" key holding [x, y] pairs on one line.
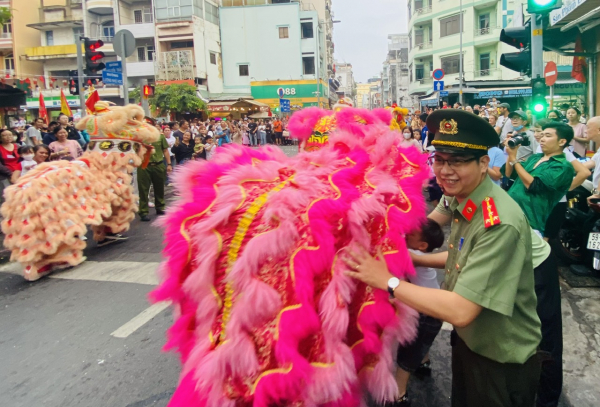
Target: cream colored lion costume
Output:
{"points": [[47, 211]]}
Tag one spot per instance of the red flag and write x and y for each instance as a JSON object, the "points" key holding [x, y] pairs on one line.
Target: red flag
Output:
{"points": [[579, 63], [43, 112], [91, 101]]}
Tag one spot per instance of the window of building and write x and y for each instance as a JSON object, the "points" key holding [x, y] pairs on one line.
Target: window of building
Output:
{"points": [[484, 21], [77, 32], [308, 65], [449, 25], [431, 66], [451, 64], [7, 29], [307, 30], [284, 32], [174, 9], [138, 16], [108, 30], [182, 44], [419, 72], [49, 38], [9, 63], [418, 4], [141, 53], [213, 58], [419, 37], [148, 16], [211, 13], [150, 52], [484, 63], [244, 71]]}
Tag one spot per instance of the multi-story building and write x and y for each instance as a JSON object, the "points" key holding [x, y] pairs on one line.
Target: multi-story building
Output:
{"points": [[434, 42], [136, 16], [363, 91], [395, 75], [15, 37], [274, 50], [345, 77], [188, 44], [375, 93], [59, 25]]}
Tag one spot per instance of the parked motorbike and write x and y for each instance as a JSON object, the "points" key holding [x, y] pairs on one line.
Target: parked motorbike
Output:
{"points": [[578, 242]]}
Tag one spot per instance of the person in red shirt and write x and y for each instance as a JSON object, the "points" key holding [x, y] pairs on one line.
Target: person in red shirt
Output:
{"points": [[8, 150]]}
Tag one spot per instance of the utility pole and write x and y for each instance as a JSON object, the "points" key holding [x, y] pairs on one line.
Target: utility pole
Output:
{"points": [[537, 47], [124, 69], [145, 104], [80, 77]]}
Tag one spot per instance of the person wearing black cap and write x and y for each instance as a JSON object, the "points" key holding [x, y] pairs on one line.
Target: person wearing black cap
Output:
{"points": [[489, 292]]}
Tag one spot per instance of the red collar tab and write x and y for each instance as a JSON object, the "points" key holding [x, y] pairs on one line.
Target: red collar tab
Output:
{"points": [[469, 210], [490, 213]]}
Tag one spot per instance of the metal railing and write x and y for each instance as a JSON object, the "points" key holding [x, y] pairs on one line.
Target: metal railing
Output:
{"points": [[557, 58], [425, 81], [106, 40], [425, 45], [424, 10], [174, 66], [6, 36], [486, 30], [497, 73]]}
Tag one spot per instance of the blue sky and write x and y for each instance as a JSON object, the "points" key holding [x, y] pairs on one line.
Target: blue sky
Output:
{"points": [[361, 37]]}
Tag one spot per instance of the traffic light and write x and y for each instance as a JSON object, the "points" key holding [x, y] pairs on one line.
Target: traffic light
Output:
{"points": [[518, 37], [148, 91], [92, 56], [542, 6], [73, 83], [538, 97]]}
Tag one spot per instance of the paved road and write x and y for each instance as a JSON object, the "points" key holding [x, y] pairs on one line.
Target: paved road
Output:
{"points": [[88, 337]]}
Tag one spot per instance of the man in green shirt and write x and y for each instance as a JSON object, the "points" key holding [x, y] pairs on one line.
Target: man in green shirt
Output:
{"points": [[489, 292], [154, 174], [544, 178]]}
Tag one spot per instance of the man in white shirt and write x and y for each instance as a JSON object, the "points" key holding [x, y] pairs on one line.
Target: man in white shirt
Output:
{"points": [[503, 124], [33, 136]]}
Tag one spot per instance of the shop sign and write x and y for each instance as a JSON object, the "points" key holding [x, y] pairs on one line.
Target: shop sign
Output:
{"points": [[282, 92], [508, 93], [219, 108], [557, 15]]}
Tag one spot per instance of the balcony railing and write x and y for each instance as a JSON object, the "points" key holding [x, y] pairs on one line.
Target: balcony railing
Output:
{"points": [[481, 73], [425, 81], [424, 10], [425, 45], [175, 66], [486, 30], [5, 36], [557, 58]]}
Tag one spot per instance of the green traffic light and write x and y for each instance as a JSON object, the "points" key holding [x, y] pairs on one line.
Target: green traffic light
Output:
{"points": [[539, 107], [542, 2]]}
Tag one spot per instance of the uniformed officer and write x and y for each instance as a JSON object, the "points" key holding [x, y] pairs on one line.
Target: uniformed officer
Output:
{"points": [[489, 282], [154, 174]]}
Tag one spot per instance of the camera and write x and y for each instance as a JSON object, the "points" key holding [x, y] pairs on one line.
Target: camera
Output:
{"points": [[520, 139]]}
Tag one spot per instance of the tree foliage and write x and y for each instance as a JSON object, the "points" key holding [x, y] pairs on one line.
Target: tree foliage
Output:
{"points": [[178, 98], [5, 15]]}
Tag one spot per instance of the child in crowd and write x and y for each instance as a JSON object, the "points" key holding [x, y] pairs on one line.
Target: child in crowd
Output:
{"points": [[414, 357], [210, 148], [26, 153]]}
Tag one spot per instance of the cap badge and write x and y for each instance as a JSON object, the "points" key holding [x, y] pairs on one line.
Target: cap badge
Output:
{"points": [[448, 126]]}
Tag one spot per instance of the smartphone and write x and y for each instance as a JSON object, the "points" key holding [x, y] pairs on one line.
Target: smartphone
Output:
{"points": [[595, 201]]}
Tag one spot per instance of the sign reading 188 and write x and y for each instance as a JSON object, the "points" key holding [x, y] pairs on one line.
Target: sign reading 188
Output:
{"points": [[286, 91]]}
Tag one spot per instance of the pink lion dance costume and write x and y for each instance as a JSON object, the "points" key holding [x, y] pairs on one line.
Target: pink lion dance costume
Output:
{"points": [[47, 211], [264, 313]]}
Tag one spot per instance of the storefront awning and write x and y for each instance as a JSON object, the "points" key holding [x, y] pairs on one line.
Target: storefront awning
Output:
{"points": [[221, 106]]}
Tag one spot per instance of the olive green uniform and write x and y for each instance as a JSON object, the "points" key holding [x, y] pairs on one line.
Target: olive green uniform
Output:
{"points": [[154, 174], [494, 362]]}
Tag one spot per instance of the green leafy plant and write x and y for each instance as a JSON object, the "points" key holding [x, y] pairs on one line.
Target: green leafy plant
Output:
{"points": [[178, 98], [5, 15]]}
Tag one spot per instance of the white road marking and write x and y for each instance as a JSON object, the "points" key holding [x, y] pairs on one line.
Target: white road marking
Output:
{"points": [[447, 327], [140, 319], [110, 271]]}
